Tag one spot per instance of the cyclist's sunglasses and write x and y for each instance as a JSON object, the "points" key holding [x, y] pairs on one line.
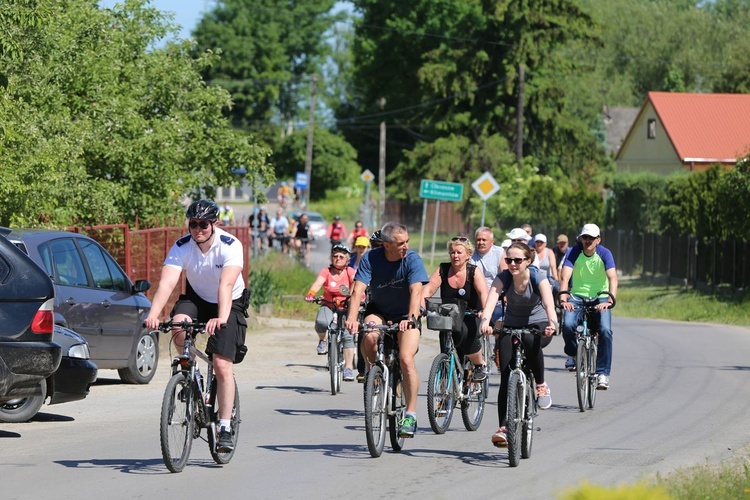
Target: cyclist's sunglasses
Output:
{"points": [[462, 239], [517, 260], [202, 224]]}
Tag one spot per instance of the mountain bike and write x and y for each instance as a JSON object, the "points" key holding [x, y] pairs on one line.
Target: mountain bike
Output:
{"points": [[586, 377], [522, 402], [450, 384], [335, 341], [190, 404], [384, 393]]}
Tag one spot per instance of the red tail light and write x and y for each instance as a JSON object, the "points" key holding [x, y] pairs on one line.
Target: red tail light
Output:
{"points": [[44, 319]]}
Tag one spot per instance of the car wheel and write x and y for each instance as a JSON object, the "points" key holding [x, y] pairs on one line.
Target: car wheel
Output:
{"points": [[142, 366], [23, 409]]}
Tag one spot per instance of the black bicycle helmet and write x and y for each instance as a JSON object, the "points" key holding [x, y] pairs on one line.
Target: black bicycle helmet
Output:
{"points": [[375, 238], [203, 209], [340, 247]]}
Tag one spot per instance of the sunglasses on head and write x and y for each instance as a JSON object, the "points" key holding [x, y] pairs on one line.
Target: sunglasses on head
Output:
{"points": [[517, 260], [462, 239], [202, 224]]}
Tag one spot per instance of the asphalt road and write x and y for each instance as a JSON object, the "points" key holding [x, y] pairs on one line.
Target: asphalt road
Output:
{"points": [[677, 397]]}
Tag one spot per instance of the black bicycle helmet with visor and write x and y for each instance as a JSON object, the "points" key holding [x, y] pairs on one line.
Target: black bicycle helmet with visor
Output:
{"points": [[203, 210], [375, 239]]}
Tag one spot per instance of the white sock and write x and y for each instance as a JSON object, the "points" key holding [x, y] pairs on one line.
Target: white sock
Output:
{"points": [[226, 424]]}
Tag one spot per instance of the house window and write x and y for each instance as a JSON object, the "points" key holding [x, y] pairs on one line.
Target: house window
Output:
{"points": [[651, 130]]}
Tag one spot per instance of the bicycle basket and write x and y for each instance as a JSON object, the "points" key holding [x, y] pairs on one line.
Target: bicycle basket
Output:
{"points": [[447, 316]]}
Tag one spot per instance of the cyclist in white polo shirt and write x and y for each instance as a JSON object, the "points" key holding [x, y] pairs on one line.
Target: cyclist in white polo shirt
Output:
{"points": [[215, 294]]}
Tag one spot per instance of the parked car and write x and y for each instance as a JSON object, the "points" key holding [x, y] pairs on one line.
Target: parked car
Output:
{"points": [[70, 382], [95, 298], [28, 354], [318, 224]]}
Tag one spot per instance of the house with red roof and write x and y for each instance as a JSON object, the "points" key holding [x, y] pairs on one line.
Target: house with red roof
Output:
{"points": [[686, 132]]}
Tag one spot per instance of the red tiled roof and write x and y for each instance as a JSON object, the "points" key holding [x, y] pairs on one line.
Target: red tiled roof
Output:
{"points": [[705, 127]]}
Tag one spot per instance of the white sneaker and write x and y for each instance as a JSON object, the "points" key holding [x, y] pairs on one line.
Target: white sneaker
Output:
{"points": [[602, 382], [543, 396]]}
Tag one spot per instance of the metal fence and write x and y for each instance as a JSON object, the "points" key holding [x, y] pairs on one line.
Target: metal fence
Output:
{"points": [[681, 259]]}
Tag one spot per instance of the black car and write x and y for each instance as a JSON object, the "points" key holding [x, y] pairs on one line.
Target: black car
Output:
{"points": [[70, 382], [27, 353], [95, 298]]}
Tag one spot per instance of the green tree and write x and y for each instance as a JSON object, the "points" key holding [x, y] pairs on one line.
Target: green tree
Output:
{"points": [[334, 161], [100, 127], [267, 52]]}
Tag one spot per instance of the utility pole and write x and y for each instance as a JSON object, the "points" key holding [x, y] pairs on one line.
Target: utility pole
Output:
{"points": [[519, 119], [381, 169], [310, 129]]}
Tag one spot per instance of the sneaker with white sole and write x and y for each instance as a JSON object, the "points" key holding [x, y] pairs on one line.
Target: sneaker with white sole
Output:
{"points": [[602, 382], [407, 427], [348, 375], [543, 396], [322, 347], [499, 438], [570, 364]]}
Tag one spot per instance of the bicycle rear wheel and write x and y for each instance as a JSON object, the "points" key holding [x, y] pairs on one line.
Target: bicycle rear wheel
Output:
{"points": [[440, 394], [515, 418], [398, 410], [582, 375], [472, 406], [487, 353], [213, 432], [592, 380], [529, 413], [333, 362], [375, 410], [176, 429]]}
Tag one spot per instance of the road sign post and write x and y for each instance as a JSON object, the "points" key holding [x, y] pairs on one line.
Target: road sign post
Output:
{"points": [[438, 191], [485, 187], [367, 177]]}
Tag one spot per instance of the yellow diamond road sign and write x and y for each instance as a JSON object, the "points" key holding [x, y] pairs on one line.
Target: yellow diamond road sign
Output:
{"points": [[486, 186], [367, 176]]}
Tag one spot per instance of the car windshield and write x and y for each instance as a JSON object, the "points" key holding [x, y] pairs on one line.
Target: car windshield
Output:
{"points": [[315, 217]]}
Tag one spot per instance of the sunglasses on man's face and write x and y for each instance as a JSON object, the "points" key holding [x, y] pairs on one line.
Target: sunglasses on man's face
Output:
{"points": [[201, 224], [460, 239], [517, 260]]}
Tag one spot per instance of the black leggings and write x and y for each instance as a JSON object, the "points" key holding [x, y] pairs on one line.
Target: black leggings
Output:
{"points": [[532, 345]]}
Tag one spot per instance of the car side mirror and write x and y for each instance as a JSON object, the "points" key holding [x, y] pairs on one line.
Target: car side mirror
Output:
{"points": [[142, 286]]}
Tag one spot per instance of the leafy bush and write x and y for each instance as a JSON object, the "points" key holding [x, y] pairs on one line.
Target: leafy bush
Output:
{"points": [[263, 286]]}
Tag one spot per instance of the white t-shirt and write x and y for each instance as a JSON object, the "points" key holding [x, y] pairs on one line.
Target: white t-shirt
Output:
{"points": [[203, 272]]}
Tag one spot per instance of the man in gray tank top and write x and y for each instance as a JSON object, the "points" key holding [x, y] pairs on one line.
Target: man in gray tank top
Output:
{"points": [[487, 257]]}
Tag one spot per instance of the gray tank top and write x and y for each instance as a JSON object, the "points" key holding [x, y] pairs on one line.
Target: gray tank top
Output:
{"points": [[524, 308], [544, 263]]}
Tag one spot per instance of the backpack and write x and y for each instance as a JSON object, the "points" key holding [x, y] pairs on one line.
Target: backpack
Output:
{"points": [[507, 280]]}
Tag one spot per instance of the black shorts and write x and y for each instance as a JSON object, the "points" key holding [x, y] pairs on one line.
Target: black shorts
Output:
{"points": [[372, 309], [227, 340]]}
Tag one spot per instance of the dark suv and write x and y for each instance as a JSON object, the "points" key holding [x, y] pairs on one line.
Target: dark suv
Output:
{"points": [[27, 353], [95, 298]]}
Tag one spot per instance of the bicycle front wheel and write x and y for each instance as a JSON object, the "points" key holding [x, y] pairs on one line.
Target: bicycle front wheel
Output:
{"points": [[398, 411], [333, 362], [515, 418], [375, 410], [440, 394], [176, 429], [472, 406], [213, 432], [592, 380], [582, 375]]}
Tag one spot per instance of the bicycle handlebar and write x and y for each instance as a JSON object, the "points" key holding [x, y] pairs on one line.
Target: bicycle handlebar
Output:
{"points": [[593, 301], [337, 303], [519, 331], [392, 328]]}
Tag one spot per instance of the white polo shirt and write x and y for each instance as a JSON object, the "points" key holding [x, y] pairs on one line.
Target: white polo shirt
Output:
{"points": [[203, 272]]}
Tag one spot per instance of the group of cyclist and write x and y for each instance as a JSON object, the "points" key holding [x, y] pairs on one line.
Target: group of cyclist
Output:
{"points": [[513, 285], [396, 284]]}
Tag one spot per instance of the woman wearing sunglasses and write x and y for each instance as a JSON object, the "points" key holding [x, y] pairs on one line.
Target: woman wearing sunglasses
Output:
{"points": [[457, 279], [525, 308]]}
